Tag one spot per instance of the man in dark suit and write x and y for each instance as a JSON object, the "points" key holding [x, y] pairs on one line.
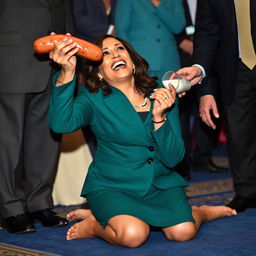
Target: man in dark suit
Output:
{"points": [[205, 138], [28, 150], [218, 33], [92, 19]]}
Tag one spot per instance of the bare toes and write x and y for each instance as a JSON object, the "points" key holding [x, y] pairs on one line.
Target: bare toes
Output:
{"points": [[231, 212], [209, 213], [78, 214], [71, 233], [82, 229]]}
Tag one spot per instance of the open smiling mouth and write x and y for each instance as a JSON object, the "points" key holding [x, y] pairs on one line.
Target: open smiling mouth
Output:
{"points": [[118, 65]]}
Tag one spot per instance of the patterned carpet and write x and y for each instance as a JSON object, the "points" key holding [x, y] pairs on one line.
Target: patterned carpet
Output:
{"points": [[10, 250], [216, 192], [209, 187]]}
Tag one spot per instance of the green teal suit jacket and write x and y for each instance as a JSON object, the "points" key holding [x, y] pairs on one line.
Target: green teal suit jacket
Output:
{"points": [[130, 155], [151, 31]]}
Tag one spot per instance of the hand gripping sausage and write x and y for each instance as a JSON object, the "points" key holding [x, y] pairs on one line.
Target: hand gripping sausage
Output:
{"points": [[86, 50]]}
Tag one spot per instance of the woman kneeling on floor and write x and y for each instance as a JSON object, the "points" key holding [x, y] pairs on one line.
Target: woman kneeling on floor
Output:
{"points": [[130, 185]]}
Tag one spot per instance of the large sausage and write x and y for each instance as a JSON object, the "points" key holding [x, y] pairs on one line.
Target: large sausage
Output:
{"points": [[86, 50]]}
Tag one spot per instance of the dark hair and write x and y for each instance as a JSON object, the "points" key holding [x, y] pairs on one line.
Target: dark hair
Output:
{"points": [[143, 82]]}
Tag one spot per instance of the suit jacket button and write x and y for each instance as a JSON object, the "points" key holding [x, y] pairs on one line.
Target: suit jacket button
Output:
{"points": [[158, 26], [151, 148], [150, 161], [158, 40]]}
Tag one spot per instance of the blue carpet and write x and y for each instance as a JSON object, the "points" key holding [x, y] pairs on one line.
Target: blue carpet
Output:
{"points": [[235, 236]]}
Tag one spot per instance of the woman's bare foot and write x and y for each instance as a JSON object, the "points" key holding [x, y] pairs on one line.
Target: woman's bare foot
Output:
{"points": [[209, 213], [82, 229], [79, 214]]}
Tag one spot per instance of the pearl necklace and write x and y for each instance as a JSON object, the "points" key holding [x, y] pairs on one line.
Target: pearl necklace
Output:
{"points": [[143, 105]]}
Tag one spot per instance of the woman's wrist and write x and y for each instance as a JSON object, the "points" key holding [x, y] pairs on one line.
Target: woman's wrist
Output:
{"points": [[64, 78], [159, 119], [159, 122]]}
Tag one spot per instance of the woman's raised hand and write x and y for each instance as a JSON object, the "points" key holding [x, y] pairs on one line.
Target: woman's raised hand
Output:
{"points": [[163, 99], [64, 54]]}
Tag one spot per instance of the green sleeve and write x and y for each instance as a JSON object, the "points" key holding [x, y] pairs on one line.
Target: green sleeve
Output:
{"points": [[66, 113], [169, 139]]}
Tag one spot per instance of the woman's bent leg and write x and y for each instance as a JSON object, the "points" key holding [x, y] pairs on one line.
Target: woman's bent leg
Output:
{"points": [[188, 230], [207, 213], [122, 230]]}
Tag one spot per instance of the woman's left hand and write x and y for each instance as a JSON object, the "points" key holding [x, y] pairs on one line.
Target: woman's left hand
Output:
{"points": [[163, 99]]}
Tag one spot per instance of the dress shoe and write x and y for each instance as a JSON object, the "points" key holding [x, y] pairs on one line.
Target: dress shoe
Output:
{"points": [[48, 218], [18, 224], [241, 203], [210, 167]]}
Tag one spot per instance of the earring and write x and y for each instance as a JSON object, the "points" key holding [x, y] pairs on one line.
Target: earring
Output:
{"points": [[134, 69], [100, 77]]}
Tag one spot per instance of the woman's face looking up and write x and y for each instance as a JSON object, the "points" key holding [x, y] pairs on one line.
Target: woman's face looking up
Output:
{"points": [[117, 65]]}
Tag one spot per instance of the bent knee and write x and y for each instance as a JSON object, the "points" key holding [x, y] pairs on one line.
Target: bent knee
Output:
{"points": [[181, 232], [133, 237]]}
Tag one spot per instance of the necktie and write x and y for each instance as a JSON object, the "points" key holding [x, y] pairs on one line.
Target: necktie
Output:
{"points": [[244, 32]]}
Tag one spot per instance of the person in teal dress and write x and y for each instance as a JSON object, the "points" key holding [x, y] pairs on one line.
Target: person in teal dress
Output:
{"points": [[150, 27], [131, 185]]}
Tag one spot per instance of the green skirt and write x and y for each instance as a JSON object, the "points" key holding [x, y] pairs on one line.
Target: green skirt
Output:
{"points": [[158, 208]]}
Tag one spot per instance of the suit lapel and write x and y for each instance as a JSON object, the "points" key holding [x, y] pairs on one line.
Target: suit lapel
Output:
{"points": [[112, 13], [229, 8], [253, 21], [187, 13], [232, 14], [119, 106], [101, 7], [148, 121]]}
